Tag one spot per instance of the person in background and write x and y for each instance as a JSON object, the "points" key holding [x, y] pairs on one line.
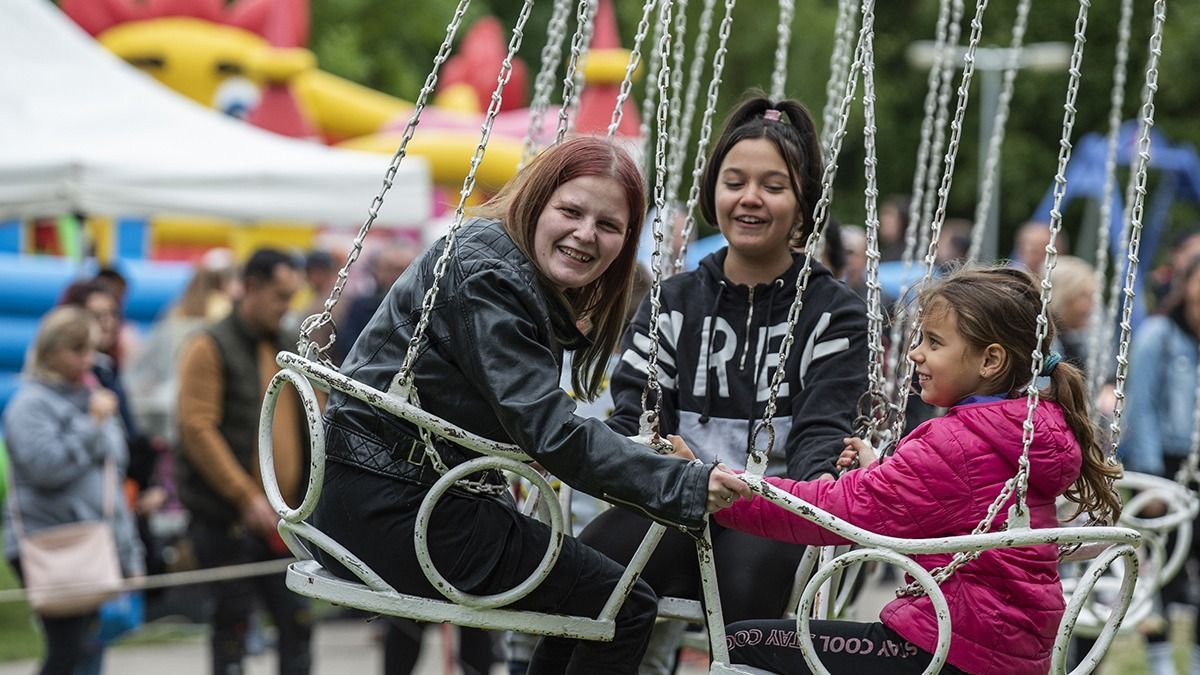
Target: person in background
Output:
{"points": [[1029, 247], [223, 376], [1072, 305], [1160, 414], [893, 224], [386, 267], [1184, 247], [954, 244], [61, 430]]}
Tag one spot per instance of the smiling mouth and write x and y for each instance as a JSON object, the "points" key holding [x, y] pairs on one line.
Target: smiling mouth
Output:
{"points": [[575, 255], [750, 220]]}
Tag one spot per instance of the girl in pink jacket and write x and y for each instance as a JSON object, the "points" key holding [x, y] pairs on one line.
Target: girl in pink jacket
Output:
{"points": [[977, 334]]}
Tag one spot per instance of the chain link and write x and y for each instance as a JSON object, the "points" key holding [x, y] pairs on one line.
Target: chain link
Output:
{"points": [[660, 198], [543, 84], [679, 144], [305, 345], [877, 395], [924, 151], [930, 227], [1138, 181], [649, 102], [580, 43], [404, 377], [820, 213], [635, 58], [710, 108], [839, 66], [999, 122], [1018, 484], [1099, 338], [787, 12]]}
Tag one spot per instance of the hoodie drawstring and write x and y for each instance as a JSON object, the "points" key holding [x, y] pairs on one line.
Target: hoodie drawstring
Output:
{"points": [[706, 404]]}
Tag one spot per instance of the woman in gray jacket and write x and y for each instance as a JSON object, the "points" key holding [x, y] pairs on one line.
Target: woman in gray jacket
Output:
{"points": [[61, 431]]}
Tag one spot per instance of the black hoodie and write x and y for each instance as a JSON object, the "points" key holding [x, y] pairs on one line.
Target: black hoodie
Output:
{"points": [[715, 408]]}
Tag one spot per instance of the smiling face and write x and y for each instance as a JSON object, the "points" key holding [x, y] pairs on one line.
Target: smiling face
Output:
{"points": [[581, 231], [756, 205], [947, 367]]}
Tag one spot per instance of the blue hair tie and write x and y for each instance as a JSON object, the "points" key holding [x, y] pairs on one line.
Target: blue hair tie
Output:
{"points": [[1051, 361]]}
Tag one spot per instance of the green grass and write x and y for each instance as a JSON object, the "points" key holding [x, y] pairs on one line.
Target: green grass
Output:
{"points": [[20, 637]]}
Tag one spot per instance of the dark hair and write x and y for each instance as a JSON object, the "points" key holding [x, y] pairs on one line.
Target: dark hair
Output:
{"points": [[78, 292], [1175, 303], [1001, 305], [602, 303], [834, 249], [262, 263], [795, 137]]}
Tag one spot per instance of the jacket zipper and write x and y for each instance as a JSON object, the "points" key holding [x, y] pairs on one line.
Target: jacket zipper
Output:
{"points": [[640, 509], [749, 320]]}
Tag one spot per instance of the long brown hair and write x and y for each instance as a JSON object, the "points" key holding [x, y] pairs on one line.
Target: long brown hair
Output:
{"points": [[1001, 305], [601, 304]]}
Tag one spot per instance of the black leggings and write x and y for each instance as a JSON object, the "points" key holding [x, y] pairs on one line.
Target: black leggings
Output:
{"points": [[754, 574], [844, 647]]}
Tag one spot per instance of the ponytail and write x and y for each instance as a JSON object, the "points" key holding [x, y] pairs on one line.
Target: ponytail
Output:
{"points": [[1093, 491]]}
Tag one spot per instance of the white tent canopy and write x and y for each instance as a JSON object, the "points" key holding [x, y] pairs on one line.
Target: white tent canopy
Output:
{"points": [[81, 131]]}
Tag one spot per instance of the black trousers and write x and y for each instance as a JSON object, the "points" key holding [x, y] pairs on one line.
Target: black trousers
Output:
{"points": [[844, 647], [484, 546], [754, 574], [219, 545], [66, 636], [402, 648]]}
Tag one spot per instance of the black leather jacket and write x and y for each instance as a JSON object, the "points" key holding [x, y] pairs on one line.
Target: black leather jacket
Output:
{"points": [[490, 363]]}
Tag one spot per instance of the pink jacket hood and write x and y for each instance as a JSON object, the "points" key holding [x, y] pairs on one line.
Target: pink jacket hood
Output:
{"points": [[1005, 606]]}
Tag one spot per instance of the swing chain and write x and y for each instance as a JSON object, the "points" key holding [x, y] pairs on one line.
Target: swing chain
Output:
{"points": [[580, 43], [543, 84], [660, 189], [999, 122], [787, 12], [839, 68], [871, 197], [1137, 205], [1099, 345], [635, 59], [714, 86], [404, 377], [306, 346], [681, 136]]}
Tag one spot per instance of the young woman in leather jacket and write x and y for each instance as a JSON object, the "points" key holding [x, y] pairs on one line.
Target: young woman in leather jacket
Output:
{"points": [[547, 267]]}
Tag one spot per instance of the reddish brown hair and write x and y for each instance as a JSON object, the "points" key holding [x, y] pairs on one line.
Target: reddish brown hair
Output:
{"points": [[601, 304]]}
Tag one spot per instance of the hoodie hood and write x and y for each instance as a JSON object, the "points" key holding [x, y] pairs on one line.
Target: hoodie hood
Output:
{"points": [[712, 271], [1054, 455]]}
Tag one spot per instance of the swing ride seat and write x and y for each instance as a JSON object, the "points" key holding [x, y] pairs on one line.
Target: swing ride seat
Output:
{"points": [[371, 593]]}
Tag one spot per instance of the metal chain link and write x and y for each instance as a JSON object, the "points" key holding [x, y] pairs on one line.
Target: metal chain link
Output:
{"points": [[678, 52], [946, 175], [878, 396], [660, 199], [1099, 339], [839, 66], [820, 213], [924, 151], [1047, 286], [543, 84], [1138, 180], [635, 58], [1018, 484], [710, 108], [580, 43], [787, 12], [679, 142], [403, 382], [999, 123], [649, 102], [305, 345]]}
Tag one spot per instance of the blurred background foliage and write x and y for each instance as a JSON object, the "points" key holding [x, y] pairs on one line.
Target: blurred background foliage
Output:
{"points": [[390, 45]]}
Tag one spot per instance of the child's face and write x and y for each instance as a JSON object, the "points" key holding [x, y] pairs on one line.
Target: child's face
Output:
{"points": [[948, 369], [756, 207]]}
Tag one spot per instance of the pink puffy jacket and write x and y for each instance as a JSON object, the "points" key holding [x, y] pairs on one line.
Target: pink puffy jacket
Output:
{"points": [[1005, 607]]}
